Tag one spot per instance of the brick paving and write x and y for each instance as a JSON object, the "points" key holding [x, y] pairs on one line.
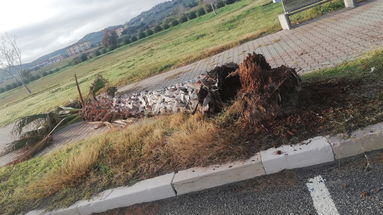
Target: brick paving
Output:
{"points": [[72, 133], [322, 43]]}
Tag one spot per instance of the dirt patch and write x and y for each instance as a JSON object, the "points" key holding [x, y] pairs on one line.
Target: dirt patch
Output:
{"points": [[325, 107]]}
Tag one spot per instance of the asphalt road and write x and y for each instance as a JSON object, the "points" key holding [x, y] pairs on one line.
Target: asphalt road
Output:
{"points": [[352, 190]]}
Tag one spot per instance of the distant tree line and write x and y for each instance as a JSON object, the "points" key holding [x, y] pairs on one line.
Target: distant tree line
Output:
{"points": [[200, 8], [27, 78]]}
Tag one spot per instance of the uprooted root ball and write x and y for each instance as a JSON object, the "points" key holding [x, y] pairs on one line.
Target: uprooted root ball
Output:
{"points": [[266, 93]]}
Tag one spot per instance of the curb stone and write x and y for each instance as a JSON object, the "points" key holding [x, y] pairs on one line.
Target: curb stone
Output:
{"points": [[196, 179], [360, 141], [318, 150], [308, 153], [144, 191]]}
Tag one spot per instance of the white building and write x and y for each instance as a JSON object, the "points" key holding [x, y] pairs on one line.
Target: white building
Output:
{"points": [[78, 48]]}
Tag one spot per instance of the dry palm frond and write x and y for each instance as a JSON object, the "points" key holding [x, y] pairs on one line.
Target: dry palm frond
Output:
{"points": [[33, 129], [28, 120], [33, 150]]}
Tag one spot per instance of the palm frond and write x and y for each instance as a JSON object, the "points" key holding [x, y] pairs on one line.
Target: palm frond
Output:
{"points": [[25, 121], [33, 129]]}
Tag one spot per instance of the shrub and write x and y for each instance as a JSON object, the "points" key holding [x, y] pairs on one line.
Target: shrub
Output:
{"points": [[134, 38], [183, 19], [329, 7], [220, 4], [142, 35], [165, 26], [175, 22], [208, 8], [2, 90], [83, 57], [8, 87], [98, 52], [127, 40], [191, 15], [149, 32], [14, 85], [158, 28], [33, 77], [169, 19], [229, 1], [103, 51], [201, 11], [45, 73]]}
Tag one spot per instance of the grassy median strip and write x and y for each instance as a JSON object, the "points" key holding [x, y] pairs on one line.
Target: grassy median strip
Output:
{"points": [[339, 99]]}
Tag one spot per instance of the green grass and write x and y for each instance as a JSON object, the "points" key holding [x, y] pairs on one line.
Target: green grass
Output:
{"points": [[185, 43], [369, 67], [160, 145], [316, 11]]}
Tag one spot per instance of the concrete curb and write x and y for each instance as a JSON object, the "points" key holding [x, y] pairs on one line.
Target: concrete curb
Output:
{"points": [[360, 141], [196, 179], [308, 153], [318, 150]]}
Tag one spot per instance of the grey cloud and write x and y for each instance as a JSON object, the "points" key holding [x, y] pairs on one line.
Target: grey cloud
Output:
{"points": [[75, 19]]}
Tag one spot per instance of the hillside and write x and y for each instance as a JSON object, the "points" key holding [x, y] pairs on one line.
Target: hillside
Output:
{"points": [[150, 17], [96, 37], [157, 14]]}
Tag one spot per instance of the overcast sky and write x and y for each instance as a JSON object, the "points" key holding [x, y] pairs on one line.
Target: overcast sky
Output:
{"points": [[43, 26]]}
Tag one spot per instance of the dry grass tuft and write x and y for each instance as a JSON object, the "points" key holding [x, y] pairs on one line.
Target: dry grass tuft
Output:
{"points": [[69, 173]]}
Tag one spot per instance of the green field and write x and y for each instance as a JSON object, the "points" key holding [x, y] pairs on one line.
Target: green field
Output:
{"points": [[179, 45]]}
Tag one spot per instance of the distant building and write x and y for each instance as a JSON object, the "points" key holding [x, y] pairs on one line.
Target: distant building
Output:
{"points": [[56, 59], [49, 61], [119, 31], [78, 48]]}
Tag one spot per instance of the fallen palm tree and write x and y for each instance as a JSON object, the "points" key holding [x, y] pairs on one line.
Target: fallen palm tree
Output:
{"points": [[253, 89], [261, 92]]}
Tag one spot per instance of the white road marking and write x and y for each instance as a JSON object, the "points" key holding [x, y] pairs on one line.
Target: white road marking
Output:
{"points": [[323, 203]]}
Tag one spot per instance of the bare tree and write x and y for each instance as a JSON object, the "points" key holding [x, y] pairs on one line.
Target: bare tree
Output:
{"points": [[10, 59], [211, 2], [110, 39]]}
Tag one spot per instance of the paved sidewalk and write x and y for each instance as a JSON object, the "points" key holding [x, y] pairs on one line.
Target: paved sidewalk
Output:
{"points": [[321, 43], [72, 133]]}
